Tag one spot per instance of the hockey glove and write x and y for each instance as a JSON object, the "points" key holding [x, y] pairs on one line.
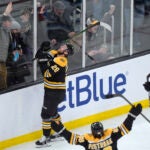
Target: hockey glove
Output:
{"points": [[45, 46], [57, 126], [40, 54], [147, 86], [42, 51], [135, 110]]}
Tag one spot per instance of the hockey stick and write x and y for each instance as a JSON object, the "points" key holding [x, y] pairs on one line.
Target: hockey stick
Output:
{"points": [[77, 34], [119, 95]]}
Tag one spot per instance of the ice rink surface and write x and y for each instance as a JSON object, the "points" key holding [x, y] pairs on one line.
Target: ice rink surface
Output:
{"points": [[137, 139]]}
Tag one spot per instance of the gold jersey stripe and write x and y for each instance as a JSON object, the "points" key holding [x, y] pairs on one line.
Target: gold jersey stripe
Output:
{"points": [[55, 87], [124, 130], [54, 83], [72, 139], [124, 127]]}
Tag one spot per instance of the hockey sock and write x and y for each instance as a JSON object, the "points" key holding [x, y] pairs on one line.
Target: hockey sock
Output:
{"points": [[46, 126]]}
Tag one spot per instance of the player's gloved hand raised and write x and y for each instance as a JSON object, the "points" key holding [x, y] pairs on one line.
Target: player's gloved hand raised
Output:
{"points": [[42, 51], [40, 54], [57, 126], [136, 110], [147, 86]]}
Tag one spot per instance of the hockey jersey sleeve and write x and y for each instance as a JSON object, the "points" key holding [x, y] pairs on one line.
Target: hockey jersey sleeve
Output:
{"points": [[123, 129], [71, 137], [75, 139], [126, 126]]}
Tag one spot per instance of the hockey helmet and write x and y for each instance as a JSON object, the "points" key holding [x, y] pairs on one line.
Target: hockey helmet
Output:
{"points": [[97, 129]]}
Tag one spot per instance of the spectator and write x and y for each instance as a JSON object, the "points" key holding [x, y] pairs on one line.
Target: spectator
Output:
{"points": [[107, 18], [59, 26], [101, 54], [27, 31], [15, 56], [94, 39], [6, 23], [41, 26], [92, 42], [96, 50]]}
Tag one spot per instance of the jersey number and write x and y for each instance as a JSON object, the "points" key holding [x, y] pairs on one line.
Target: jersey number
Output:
{"points": [[55, 68]]}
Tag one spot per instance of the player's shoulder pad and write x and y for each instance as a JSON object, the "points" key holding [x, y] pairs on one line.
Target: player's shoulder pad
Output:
{"points": [[53, 52], [108, 132], [90, 137], [61, 61]]}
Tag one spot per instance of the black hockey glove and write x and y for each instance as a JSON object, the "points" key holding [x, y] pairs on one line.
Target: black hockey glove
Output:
{"points": [[42, 51], [147, 86], [40, 54], [57, 126], [45, 46], [135, 110]]}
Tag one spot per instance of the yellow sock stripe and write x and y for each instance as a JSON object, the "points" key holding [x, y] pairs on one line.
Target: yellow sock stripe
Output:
{"points": [[57, 119], [46, 125]]}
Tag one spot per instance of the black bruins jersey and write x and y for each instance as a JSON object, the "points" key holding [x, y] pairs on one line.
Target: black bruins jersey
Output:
{"points": [[107, 142], [54, 72]]}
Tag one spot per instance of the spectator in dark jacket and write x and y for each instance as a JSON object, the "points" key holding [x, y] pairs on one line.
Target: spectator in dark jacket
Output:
{"points": [[60, 25]]}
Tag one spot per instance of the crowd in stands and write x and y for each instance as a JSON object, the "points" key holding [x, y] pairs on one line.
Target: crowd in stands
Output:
{"points": [[56, 24], [14, 48]]}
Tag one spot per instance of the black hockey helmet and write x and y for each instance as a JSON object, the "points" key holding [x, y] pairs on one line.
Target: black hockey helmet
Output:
{"points": [[97, 129]]}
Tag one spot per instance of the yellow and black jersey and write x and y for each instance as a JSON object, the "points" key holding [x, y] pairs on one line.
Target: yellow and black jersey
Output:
{"points": [[55, 74], [107, 142], [54, 71]]}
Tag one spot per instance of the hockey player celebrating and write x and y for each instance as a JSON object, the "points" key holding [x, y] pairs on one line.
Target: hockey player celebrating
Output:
{"points": [[100, 139], [53, 65]]}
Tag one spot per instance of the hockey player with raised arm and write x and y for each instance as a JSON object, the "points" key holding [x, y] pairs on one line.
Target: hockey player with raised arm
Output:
{"points": [[53, 65], [100, 139]]}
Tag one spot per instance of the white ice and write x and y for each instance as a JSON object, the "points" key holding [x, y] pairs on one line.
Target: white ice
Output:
{"points": [[137, 139]]}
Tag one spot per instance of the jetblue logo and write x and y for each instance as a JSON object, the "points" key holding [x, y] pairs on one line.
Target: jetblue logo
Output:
{"points": [[92, 87]]}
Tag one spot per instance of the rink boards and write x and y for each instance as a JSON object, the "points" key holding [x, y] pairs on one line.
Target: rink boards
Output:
{"points": [[85, 100]]}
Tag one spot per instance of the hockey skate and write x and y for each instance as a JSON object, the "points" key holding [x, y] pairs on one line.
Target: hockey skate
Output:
{"points": [[43, 142], [56, 137]]}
